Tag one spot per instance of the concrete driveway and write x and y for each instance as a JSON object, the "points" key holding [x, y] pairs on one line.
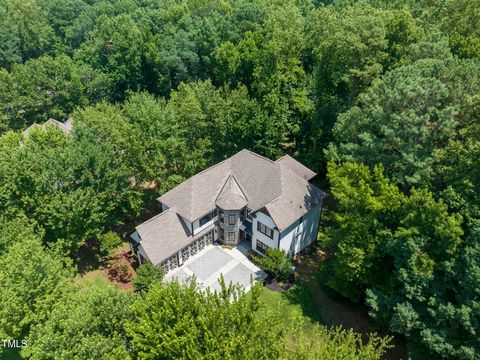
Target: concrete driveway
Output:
{"points": [[214, 260]]}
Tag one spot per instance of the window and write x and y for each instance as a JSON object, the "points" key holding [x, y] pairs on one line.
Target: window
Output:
{"points": [[261, 247], [231, 219], [231, 236], [208, 217], [220, 216], [249, 214], [264, 229], [221, 234]]}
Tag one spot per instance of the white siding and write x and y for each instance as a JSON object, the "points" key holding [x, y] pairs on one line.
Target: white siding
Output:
{"points": [[266, 220], [301, 234]]}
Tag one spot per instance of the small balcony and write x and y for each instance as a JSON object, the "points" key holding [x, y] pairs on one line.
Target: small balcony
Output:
{"points": [[246, 226]]}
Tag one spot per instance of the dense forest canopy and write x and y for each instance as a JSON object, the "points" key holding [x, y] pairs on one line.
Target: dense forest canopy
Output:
{"points": [[381, 98]]}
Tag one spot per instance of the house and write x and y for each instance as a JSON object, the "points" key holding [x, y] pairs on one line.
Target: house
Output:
{"points": [[66, 126], [247, 197]]}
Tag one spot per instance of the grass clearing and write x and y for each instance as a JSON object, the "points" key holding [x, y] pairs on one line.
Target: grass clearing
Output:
{"points": [[98, 272]]}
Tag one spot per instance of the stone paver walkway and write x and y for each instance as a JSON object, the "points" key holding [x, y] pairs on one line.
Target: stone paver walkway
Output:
{"points": [[213, 261]]}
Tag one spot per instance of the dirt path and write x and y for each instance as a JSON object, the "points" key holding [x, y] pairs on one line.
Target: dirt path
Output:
{"points": [[335, 311]]}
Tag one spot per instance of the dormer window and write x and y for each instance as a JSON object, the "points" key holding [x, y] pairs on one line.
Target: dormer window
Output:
{"points": [[208, 217]]}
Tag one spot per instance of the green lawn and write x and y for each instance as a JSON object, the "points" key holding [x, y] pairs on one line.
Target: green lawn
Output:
{"points": [[96, 277], [96, 274], [290, 306]]}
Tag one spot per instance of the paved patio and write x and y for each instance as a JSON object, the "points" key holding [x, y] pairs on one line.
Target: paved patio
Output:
{"points": [[214, 260]]}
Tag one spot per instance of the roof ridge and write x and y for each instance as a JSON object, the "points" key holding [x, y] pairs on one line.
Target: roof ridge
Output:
{"points": [[155, 217], [254, 153], [223, 187], [210, 167], [281, 157], [239, 186], [193, 176]]}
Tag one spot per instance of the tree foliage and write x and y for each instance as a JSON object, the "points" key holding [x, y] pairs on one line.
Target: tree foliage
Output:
{"points": [[276, 262], [161, 90], [32, 279], [406, 254], [84, 325], [147, 275], [46, 87], [178, 322]]}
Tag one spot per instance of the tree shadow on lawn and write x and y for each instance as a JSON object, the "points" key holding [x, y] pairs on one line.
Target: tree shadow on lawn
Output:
{"points": [[330, 309], [301, 295], [87, 258]]}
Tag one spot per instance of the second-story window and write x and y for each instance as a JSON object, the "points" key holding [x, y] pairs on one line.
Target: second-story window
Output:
{"points": [[264, 229], [231, 219], [208, 217]]}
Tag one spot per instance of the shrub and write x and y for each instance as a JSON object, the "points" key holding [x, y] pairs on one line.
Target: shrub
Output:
{"points": [[276, 262], [147, 274], [108, 242], [119, 269]]}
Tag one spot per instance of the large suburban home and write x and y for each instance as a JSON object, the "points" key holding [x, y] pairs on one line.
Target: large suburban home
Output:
{"points": [[247, 197]]}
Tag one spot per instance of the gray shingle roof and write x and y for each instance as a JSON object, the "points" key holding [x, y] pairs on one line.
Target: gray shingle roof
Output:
{"points": [[164, 235], [257, 176], [297, 167], [297, 197], [246, 178], [231, 196], [261, 180]]}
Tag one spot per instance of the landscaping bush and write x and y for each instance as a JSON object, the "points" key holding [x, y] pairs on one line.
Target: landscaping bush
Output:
{"points": [[276, 263], [119, 269], [147, 274], [108, 242]]}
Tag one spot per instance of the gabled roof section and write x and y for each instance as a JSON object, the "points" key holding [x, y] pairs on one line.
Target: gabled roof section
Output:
{"points": [[163, 235], [196, 196], [297, 198], [231, 196], [296, 167]]}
